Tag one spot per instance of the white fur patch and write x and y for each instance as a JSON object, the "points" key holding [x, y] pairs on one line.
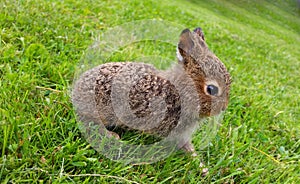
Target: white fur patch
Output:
{"points": [[179, 56]]}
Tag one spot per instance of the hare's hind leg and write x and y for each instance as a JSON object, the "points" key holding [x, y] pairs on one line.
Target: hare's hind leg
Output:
{"points": [[113, 134]]}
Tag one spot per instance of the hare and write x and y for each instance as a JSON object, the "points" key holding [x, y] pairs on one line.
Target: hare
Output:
{"points": [[157, 102]]}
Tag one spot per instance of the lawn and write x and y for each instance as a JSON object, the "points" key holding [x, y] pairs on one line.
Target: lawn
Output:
{"points": [[42, 43]]}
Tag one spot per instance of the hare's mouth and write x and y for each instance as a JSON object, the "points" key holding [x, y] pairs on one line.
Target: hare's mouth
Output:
{"points": [[213, 108]]}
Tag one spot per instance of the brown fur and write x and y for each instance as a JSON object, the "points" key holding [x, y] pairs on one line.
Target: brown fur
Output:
{"points": [[182, 88]]}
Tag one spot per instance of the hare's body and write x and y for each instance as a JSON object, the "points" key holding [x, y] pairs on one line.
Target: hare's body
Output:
{"points": [[95, 87], [196, 87]]}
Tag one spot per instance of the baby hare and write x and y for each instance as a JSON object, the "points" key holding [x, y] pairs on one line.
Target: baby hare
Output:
{"points": [[137, 96]]}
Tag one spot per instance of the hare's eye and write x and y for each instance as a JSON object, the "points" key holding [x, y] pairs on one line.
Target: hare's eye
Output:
{"points": [[212, 90]]}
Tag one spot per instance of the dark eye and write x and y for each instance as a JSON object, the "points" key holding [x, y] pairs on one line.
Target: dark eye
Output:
{"points": [[212, 90]]}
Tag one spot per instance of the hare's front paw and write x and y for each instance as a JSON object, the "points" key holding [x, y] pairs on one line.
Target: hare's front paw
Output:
{"points": [[205, 170], [188, 147]]}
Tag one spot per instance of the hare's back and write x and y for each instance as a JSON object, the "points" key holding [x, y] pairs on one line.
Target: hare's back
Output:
{"points": [[144, 92]]}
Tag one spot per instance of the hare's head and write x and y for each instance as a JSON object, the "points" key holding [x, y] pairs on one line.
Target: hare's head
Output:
{"points": [[209, 74]]}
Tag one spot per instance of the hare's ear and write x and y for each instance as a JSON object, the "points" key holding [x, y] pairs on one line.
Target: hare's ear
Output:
{"points": [[199, 32], [185, 45]]}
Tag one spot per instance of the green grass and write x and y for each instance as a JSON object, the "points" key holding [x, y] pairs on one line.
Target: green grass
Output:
{"points": [[42, 42]]}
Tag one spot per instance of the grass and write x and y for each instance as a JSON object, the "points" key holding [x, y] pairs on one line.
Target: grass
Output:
{"points": [[42, 42]]}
